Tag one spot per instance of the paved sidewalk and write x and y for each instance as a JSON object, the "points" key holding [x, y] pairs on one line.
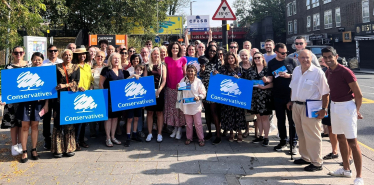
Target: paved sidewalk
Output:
{"points": [[171, 162]]}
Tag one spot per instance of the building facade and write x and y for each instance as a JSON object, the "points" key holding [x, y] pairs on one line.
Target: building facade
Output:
{"points": [[343, 24]]}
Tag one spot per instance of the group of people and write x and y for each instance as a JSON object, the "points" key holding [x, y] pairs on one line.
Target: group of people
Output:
{"points": [[286, 92]]}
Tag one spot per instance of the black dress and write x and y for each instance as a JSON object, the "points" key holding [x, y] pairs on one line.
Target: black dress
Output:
{"points": [[160, 101], [111, 76], [10, 110], [261, 98], [232, 118], [210, 67]]}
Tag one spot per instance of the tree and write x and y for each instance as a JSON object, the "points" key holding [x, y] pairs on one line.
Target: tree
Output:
{"points": [[230, 87], [29, 80], [134, 89], [83, 102]]}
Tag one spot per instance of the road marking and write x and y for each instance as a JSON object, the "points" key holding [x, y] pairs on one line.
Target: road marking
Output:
{"points": [[365, 146], [367, 86], [366, 101], [367, 93]]}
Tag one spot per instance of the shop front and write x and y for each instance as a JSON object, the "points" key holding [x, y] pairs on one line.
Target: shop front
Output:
{"points": [[364, 39]]}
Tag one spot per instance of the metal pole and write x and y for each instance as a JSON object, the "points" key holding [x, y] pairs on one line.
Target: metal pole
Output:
{"points": [[224, 35], [191, 8], [7, 42], [232, 34]]}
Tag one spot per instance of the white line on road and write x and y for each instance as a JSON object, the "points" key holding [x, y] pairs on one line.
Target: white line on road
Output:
{"points": [[367, 93], [367, 86]]}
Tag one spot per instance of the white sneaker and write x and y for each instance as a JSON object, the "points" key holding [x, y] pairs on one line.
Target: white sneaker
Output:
{"points": [[341, 173], [295, 151], [14, 150], [20, 151], [359, 181], [174, 132], [179, 133], [149, 137], [159, 138], [272, 127]]}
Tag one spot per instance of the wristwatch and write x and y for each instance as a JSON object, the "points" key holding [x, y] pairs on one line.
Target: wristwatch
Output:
{"points": [[324, 109]]}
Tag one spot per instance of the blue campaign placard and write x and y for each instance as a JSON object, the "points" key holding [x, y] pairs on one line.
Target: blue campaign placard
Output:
{"points": [[132, 93], [194, 61], [232, 91], [28, 84], [82, 107]]}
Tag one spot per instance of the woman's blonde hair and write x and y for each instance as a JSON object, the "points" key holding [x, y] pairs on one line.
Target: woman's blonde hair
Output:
{"points": [[151, 62], [110, 66], [163, 48], [244, 50]]}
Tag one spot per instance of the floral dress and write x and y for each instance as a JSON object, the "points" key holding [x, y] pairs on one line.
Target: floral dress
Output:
{"points": [[205, 75], [233, 118], [261, 98]]}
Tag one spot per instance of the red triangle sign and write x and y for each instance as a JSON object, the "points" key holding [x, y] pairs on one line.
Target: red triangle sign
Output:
{"points": [[224, 12]]}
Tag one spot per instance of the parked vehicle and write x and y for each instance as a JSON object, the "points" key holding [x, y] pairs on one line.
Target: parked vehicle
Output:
{"points": [[316, 49]]}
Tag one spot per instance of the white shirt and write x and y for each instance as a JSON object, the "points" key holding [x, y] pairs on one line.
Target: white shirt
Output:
{"points": [[197, 89], [310, 85], [47, 62]]}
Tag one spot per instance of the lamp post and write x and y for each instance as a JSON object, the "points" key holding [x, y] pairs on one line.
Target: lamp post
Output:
{"points": [[232, 33], [191, 6]]}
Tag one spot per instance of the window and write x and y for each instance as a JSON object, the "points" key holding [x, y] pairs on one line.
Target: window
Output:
{"points": [[316, 21], [365, 11], [315, 3], [289, 9], [326, 1], [290, 24], [307, 4], [308, 25], [295, 26], [328, 19], [338, 19], [294, 7]]}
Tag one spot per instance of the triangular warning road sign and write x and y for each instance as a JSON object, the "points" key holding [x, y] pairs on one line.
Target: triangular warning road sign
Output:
{"points": [[224, 12]]}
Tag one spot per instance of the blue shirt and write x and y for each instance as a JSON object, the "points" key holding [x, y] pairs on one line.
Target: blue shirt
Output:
{"points": [[269, 57]]}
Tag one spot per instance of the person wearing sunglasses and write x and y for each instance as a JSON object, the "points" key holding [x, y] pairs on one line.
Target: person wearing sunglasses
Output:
{"points": [[221, 55], [124, 59], [148, 44], [9, 117], [300, 44], [131, 51], [282, 94], [52, 56]]}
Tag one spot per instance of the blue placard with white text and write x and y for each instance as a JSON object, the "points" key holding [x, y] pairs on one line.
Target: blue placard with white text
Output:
{"points": [[28, 84], [229, 90], [132, 93], [82, 107], [194, 61]]}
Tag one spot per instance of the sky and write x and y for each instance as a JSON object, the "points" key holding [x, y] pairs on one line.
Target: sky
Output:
{"points": [[207, 7]]}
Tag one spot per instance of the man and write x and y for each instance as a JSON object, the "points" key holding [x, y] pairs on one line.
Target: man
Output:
{"points": [[282, 94], [110, 50], [213, 43], [120, 48], [103, 44], [71, 46], [308, 83], [148, 44], [252, 52], [234, 47], [200, 49], [52, 56], [145, 54], [300, 44], [344, 112], [269, 47], [165, 43], [247, 45]]}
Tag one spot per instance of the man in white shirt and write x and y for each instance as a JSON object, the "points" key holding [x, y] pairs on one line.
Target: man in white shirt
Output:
{"points": [[308, 83], [52, 56]]}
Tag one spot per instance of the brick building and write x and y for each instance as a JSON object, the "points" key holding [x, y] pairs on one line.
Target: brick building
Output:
{"points": [[343, 24]]}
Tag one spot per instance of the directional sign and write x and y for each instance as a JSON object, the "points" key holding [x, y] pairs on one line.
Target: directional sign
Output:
{"points": [[224, 12], [157, 39]]}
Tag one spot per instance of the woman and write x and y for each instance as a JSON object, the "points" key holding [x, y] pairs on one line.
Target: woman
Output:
{"points": [[124, 59], [221, 55], [261, 98], [81, 58], [111, 73], [132, 51], [63, 136], [158, 70], [184, 50], [233, 117], [191, 51], [100, 56], [9, 115], [211, 110], [92, 56], [163, 53], [135, 60], [176, 67], [29, 114], [192, 112], [245, 64]]}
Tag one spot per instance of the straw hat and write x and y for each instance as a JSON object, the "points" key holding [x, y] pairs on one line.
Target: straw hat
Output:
{"points": [[81, 50]]}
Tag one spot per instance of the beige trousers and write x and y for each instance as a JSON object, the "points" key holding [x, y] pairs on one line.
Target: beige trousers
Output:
{"points": [[309, 133]]}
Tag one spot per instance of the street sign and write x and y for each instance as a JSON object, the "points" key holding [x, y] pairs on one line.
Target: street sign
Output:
{"points": [[198, 29], [157, 39], [224, 12], [198, 23]]}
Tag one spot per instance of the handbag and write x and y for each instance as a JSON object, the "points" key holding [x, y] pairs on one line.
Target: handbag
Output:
{"points": [[159, 82]]}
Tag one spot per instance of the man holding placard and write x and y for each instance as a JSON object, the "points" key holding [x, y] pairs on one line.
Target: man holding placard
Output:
{"points": [[308, 83]]}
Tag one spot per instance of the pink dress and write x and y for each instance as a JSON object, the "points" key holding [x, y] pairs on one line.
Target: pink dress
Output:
{"points": [[172, 115]]}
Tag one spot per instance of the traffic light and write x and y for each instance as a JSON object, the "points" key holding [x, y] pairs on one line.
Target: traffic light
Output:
{"points": [[228, 27]]}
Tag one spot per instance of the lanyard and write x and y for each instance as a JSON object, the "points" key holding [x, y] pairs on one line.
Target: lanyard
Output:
{"points": [[66, 74]]}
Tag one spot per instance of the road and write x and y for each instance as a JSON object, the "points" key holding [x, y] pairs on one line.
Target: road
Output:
{"points": [[366, 126]]}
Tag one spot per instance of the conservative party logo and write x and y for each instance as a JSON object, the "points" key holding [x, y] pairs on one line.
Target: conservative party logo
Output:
{"points": [[134, 90], [84, 103], [229, 88], [29, 81]]}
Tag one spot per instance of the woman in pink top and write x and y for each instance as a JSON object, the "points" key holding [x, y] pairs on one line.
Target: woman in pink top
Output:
{"points": [[176, 65]]}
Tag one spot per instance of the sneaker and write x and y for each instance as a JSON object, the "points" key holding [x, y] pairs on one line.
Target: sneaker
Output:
{"points": [[217, 141], [179, 133], [258, 140], [174, 132], [295, 151], [266, 142], [359, 181], [15, 150], [141, 134], [127, 142], [159, 138], [341, 173], [149, 137], [350, 162], [300, 161], [280, 147], [312, 168], [20, 151]]}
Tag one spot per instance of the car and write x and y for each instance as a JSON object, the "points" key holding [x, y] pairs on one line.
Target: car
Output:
{"points": [[317, 50]]}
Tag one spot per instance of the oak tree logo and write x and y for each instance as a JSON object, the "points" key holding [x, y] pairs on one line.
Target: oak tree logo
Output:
{"points": [[134, 90], [196, 64], [230, 88], [29, 81], [83, 102]]}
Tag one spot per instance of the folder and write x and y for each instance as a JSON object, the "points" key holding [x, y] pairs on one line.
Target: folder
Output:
{"points": [[312, 107]]}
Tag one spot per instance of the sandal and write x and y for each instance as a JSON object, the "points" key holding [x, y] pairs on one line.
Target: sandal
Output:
{"points": [[36, 157], [246, 134], [331, 156], [201, 143], [25, 159], [187, 142], [240, 138], [115, 141], [83, 144], [108, 143]]}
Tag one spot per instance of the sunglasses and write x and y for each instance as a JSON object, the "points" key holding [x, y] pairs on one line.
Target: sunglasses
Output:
{"points": [[200, 47], [51, 51], [18, 53], [131, 51], [123, 53], [213, 51], [255, 58], [220, 54], [299, 43], [233, 47], [149, 44], [98, 56], [282, 53]]}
